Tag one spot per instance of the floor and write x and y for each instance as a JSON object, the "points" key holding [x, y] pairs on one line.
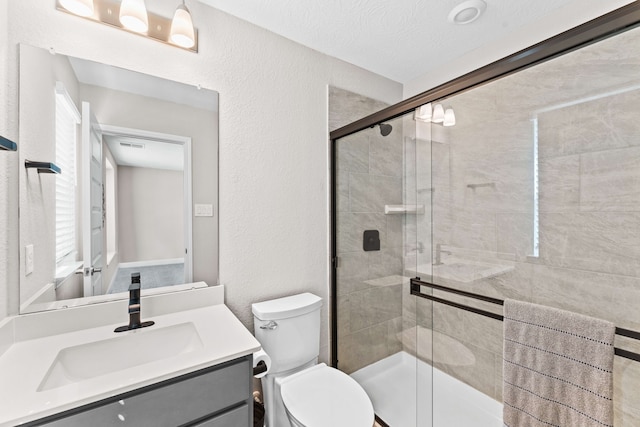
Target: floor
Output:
{"points": [[401, 389], [153, 276]]}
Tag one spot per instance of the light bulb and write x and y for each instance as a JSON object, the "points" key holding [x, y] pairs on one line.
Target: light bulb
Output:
{"points": [[182, 32], [78, 7], [449, 117], [438, 114], [133, 15], [423, 113]]}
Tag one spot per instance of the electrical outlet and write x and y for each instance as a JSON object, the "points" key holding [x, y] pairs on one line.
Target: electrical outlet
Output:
{"points": [[28, 259], [203, 210]]}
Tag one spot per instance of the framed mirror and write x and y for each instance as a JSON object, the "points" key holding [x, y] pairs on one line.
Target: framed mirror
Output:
{"points": [[131, 184]]}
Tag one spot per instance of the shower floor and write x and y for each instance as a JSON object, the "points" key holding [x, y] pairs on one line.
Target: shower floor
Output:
{"points": [[400, 387]]}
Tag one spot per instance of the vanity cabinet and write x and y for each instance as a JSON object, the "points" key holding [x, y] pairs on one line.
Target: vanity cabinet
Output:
{"points": [[219, 396]]}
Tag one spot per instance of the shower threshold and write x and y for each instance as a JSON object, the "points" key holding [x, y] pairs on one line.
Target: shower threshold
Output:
{"points": [[400, 387]]}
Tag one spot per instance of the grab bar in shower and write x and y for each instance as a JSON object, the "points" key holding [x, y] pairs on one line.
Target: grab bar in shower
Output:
{"points": [[416, 290]]}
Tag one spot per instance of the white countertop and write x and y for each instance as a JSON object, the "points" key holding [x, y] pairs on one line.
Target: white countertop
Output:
{"points": [[25, 363]]}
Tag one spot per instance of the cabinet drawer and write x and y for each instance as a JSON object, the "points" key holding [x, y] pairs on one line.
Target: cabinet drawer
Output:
{"points": [[238, 417], [173, 404]]}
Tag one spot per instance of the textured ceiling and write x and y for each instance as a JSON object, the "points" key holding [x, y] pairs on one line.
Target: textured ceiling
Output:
{"points": [[399, 39]]}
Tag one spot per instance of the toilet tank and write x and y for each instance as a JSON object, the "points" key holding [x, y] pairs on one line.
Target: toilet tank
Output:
{"points": [[289, 330]]}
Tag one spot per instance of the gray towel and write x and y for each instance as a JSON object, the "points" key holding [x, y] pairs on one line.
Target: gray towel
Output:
{"points": [[558, 368]]}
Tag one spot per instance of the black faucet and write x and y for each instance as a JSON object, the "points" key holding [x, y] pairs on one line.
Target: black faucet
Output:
{"points": [[134, 307]]}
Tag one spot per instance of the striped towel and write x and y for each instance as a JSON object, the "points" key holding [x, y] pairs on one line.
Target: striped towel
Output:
{"points": [[558, 368]]}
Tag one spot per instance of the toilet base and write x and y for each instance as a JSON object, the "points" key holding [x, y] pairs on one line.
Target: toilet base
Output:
{"points": [[276, 414]]}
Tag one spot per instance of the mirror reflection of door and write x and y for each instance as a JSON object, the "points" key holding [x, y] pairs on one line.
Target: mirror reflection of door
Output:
{"points": [[92, 203], [145, 218]]}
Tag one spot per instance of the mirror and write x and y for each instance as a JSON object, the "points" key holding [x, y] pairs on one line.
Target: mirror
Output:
{"points": [[138, 188]]}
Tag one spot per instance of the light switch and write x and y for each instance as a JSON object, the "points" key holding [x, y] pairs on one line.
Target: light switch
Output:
{"points": [[28, 259], [204, 210]]}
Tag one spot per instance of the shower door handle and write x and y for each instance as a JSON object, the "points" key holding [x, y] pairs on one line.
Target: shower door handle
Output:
{"points": [[270, 326]]}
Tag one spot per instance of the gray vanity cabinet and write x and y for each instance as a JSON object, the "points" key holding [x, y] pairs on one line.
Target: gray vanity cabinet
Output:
{"points": [[220, 396]]}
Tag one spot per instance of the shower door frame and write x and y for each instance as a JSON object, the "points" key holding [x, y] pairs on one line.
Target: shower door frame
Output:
{"points": [[603, 27]]}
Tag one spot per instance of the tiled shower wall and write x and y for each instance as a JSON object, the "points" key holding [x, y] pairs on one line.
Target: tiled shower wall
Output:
{"points": [[370, 169], [582, 109]]}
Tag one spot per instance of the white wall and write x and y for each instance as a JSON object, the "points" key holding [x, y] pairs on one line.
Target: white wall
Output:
{"points": [[560, 20], [149, 228], [8, 192], [274, 170]]}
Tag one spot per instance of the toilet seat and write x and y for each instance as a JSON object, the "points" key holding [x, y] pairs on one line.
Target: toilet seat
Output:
{"points": [[321, 396]]}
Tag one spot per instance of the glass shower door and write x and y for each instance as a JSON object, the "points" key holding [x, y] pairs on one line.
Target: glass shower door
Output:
{"points": [[377, 251]]}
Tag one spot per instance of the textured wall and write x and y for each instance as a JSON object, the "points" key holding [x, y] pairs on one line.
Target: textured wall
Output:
{"points": [[274, 169], [8, 193]]}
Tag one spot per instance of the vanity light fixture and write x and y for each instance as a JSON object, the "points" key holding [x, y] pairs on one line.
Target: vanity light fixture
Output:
{"points": [[78, 7], [132, 16], [424, 113], [182, 32], [437, 114], [449, 117]]}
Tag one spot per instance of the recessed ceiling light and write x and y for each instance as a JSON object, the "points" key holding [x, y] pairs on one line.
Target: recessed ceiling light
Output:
{"points": [[467, 12]]}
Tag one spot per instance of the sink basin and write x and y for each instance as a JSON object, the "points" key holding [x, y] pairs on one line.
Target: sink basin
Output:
{"points": [[133, 348]]}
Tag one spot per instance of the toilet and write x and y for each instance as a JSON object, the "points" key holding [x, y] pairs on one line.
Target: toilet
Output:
{"points": [[299, 392]]}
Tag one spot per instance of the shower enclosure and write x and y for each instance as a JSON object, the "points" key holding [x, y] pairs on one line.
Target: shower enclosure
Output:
{"points": [[520, 181]]}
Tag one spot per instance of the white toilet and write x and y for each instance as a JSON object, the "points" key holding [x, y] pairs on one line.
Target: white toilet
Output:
{"points": [[298, 391]]}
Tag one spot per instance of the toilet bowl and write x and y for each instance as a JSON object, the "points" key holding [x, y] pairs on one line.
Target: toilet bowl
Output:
{"points": [[321, 396], [298, 391]]}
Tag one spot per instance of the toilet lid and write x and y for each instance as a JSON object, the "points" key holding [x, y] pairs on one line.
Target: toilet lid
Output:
{"points": [[322, 396]]}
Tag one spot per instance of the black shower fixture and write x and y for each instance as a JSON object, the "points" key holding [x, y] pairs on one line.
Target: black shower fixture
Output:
{"points": [[385, 128]]}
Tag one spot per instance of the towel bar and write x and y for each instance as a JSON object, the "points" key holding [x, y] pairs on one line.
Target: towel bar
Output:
{"points": [[43, 167], [6, 144], [417, 283]]}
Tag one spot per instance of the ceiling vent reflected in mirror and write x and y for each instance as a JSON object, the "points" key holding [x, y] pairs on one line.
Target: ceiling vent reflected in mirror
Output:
{"points": [[133, 16], [131, 145], [144, 153]]}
